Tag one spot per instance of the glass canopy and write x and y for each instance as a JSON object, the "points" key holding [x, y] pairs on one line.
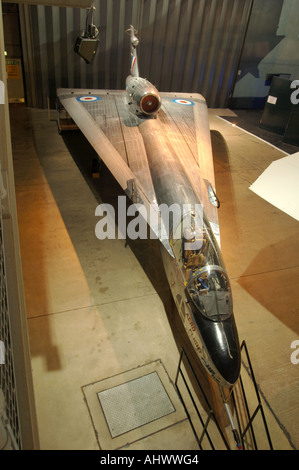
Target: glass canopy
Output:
{"points": [[200, 261]]}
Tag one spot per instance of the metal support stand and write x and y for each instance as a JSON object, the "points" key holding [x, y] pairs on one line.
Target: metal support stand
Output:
{"points": [[63, 119], [206, 429], [259, 408], [205, 421]]}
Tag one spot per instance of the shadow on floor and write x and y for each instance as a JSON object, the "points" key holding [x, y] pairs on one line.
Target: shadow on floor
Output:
{"points": [[147, 252]]}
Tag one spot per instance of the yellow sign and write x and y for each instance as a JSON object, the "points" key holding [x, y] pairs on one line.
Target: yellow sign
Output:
{"points": [[13, 69]]}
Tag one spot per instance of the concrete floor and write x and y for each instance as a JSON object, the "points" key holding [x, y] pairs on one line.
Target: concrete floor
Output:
{"points": [[100, 312]]}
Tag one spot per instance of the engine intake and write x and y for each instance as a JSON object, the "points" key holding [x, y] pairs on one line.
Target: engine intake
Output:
{"points": [[150, 104], [143, 97]]}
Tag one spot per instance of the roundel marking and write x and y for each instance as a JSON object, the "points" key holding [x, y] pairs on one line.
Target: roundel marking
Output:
{"points": [[184, 102], [88, 98]]}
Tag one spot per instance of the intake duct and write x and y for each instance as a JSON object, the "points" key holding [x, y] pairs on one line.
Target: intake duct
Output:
{"points": [[143, 98]]}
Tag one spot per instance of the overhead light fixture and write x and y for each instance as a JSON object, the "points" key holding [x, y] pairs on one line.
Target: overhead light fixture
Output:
{"points": [[87, 44]]}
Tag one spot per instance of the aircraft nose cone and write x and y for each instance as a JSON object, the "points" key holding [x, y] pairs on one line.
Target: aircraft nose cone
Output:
{"points": [[228, 364], [226, 353], [222, 344]]}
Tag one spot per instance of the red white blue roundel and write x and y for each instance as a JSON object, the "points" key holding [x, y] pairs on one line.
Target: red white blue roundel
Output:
{"points": [[88, 98], [183, 102]]}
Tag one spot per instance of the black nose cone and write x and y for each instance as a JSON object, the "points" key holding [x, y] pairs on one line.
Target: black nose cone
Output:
{"points": [[222, 345], [226, 354], [228, 362]]}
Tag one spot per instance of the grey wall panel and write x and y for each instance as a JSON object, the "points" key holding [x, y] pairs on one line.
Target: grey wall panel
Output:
{"points": [[63, 3], [185, 45]]}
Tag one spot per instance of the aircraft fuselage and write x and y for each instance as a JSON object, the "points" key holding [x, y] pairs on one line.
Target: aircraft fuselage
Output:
{"points": [[196, 276]]}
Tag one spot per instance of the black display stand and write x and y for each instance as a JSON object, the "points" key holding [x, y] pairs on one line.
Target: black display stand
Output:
{"points": [[205, 426]]}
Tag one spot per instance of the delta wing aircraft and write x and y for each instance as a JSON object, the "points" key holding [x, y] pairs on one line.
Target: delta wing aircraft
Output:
{"points": [[158, 147]]}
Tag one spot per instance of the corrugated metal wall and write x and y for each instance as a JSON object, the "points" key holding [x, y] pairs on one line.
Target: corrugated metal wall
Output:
{"points": [[185, 45]]}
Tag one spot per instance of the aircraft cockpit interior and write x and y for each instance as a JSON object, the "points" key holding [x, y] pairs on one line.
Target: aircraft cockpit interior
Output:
{"points": [[210, 293], [200, 261]]}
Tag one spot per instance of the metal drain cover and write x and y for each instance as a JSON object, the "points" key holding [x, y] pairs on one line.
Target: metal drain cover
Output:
{"points": [[135, 403]]}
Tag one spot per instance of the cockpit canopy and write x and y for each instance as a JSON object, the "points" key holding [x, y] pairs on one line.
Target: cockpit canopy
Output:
{"points": [[198, 255], [209, 290]]}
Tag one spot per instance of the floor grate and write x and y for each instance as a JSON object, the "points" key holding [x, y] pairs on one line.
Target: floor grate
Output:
{"points": [[135, 403]]}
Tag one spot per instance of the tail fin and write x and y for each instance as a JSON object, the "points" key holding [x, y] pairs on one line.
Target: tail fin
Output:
{"points": [[134, 70]]}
